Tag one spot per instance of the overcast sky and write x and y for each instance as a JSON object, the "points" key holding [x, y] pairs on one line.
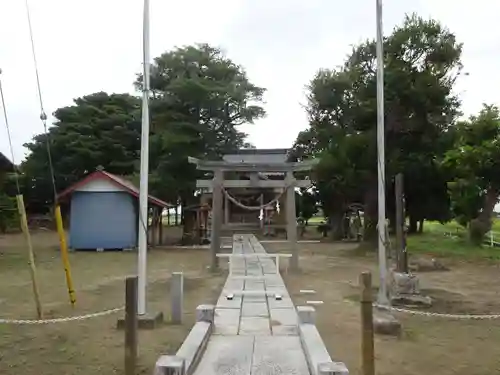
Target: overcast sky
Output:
{"points": [[95, 45]]}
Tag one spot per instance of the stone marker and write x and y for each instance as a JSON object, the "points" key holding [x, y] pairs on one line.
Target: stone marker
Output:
{"points": [[205, 313], [385, 324], [307, 314], [177, 296], [404, 283]]}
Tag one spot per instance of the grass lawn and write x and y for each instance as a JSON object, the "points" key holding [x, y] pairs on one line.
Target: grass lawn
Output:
{"points": [[437, 244], [450, 239], [93, 346], [316, 220], [427, 345]]}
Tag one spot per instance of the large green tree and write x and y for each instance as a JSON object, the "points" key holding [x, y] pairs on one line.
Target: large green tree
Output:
{"points": [[422, 61], [97, 130], [199, 97], [475, 161]]}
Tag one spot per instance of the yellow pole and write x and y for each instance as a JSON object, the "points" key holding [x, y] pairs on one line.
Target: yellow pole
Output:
{"points": [[64, 255], [26, 232]]}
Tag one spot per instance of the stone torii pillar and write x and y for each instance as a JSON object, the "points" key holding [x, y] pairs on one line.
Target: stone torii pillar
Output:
{"points": [[291, 221], [216, 218], [226, 210]]}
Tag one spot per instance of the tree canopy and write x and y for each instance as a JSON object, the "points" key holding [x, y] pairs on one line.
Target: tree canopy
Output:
{"points": [[475, 162], [199, 97], [422, 61]]}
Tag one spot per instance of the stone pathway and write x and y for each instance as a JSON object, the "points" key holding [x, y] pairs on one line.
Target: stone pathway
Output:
{"points": [[254, 335]]}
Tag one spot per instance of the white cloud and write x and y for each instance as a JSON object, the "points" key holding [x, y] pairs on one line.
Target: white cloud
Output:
{"points": [[88, 46]]}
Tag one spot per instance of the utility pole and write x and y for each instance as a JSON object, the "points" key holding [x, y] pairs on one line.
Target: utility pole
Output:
{"points": [[143, 191], [382, 297]]}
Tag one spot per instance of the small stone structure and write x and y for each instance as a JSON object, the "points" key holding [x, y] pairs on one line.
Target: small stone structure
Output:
{"points": [[405, 290]]}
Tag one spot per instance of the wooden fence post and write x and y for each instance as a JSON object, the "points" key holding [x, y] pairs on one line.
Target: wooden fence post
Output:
{"points": [[367, 345], [131, 325]]}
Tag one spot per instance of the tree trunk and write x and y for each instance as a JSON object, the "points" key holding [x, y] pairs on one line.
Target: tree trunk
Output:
{"points": [[481, 225], [412, 229], [421, 226], [335, 221]]}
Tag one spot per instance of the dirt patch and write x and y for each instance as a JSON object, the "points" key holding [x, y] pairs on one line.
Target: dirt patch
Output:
{"points": [[427, 345], [93, 346]]}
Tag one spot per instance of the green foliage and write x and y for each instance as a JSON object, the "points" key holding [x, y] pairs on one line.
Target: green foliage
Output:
{"points": [[422, 61], [474, 162], [8, 213], [198, 99], [306, 205], [98, 130]]}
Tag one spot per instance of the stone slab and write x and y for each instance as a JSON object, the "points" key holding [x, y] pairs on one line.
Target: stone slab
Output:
{"points": [[194, 345], [278, 355], [254, 309], [314, 348], [169, 364], [252, 334], [284, 303], [205, 313], [285, 316], [411, 300], [250, 325], [225, 303], [225, 330], [255, 298], [306, 314], [227, 355], [279, 330], [229, 317], [332, 368], [254, 285]]}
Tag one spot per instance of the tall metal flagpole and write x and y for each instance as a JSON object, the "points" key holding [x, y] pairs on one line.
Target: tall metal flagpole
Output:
{"points": [[382, 260], [143, 194]]}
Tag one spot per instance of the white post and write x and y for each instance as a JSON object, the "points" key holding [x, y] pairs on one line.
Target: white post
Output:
{"points": [[382, 260], [177, 296], [143, 193]]}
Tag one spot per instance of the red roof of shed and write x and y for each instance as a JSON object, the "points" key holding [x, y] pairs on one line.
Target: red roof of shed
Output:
{"points": [[128, 186]]}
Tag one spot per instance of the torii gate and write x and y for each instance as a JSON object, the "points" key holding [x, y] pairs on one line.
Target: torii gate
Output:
{"points": [[218, 183]]}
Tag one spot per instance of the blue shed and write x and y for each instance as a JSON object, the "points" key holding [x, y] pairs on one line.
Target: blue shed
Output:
{"points": [[104, 212]]}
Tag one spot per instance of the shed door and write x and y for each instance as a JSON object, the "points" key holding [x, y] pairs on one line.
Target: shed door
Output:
{"points": [[102, 220]]}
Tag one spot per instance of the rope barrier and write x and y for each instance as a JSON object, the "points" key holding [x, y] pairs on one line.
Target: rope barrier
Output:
{"points": [[439, 315], [254, 208], [59, 320]]}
